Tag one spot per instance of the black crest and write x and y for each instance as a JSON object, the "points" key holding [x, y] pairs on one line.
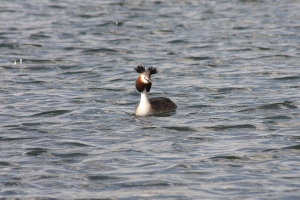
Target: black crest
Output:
{"points": [[152, 70], [140, 69]]}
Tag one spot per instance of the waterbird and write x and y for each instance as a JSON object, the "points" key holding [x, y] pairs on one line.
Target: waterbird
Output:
{"points": [[150, 106]]}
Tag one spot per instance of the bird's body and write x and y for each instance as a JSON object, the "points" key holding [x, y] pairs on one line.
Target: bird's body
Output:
{"points": [[150, 106]]}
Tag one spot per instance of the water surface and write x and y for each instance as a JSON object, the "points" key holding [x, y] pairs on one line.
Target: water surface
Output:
{"points": [[67, 123]]}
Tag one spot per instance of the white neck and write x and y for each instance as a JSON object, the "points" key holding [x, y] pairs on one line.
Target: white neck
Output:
{"points": [[144, 106]]}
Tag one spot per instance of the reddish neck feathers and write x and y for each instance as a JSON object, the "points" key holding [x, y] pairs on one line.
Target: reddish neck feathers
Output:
{"points": [[140, 86]]}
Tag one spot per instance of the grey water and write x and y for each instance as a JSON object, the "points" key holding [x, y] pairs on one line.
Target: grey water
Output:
{"points": [[67, 98]]}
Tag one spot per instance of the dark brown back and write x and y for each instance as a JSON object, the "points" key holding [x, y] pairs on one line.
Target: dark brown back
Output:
{"points": [[162, 104]]}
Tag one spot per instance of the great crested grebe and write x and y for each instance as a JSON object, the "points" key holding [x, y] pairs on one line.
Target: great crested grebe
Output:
{"points": [[154, 105]]}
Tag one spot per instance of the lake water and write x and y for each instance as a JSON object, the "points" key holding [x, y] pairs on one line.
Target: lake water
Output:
{"points": [[67, 123]]}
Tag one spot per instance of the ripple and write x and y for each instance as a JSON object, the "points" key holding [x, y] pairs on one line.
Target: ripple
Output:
{"points": [[77, 72], [36, 151], [273, 106], [225, 127], [30, 82], [13, 183], [177, 41], [40, 35], [296, 147], [37, 61], [229, 89], [51, 113], [77, 144], [264, 48], [152, 183], [288, 78], [199, 106], [182, 166], [296, 138], [14, 139], [101, 50], [180, 128], [198, 58], [245, 49], [228, 157], [240, 28], [276, 56], [200, 139], [103, 178], [4, 164], [69, 155], [278, 117]]}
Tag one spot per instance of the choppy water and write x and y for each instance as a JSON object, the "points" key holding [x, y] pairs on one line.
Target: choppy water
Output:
{"points": [[67, 123]]}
